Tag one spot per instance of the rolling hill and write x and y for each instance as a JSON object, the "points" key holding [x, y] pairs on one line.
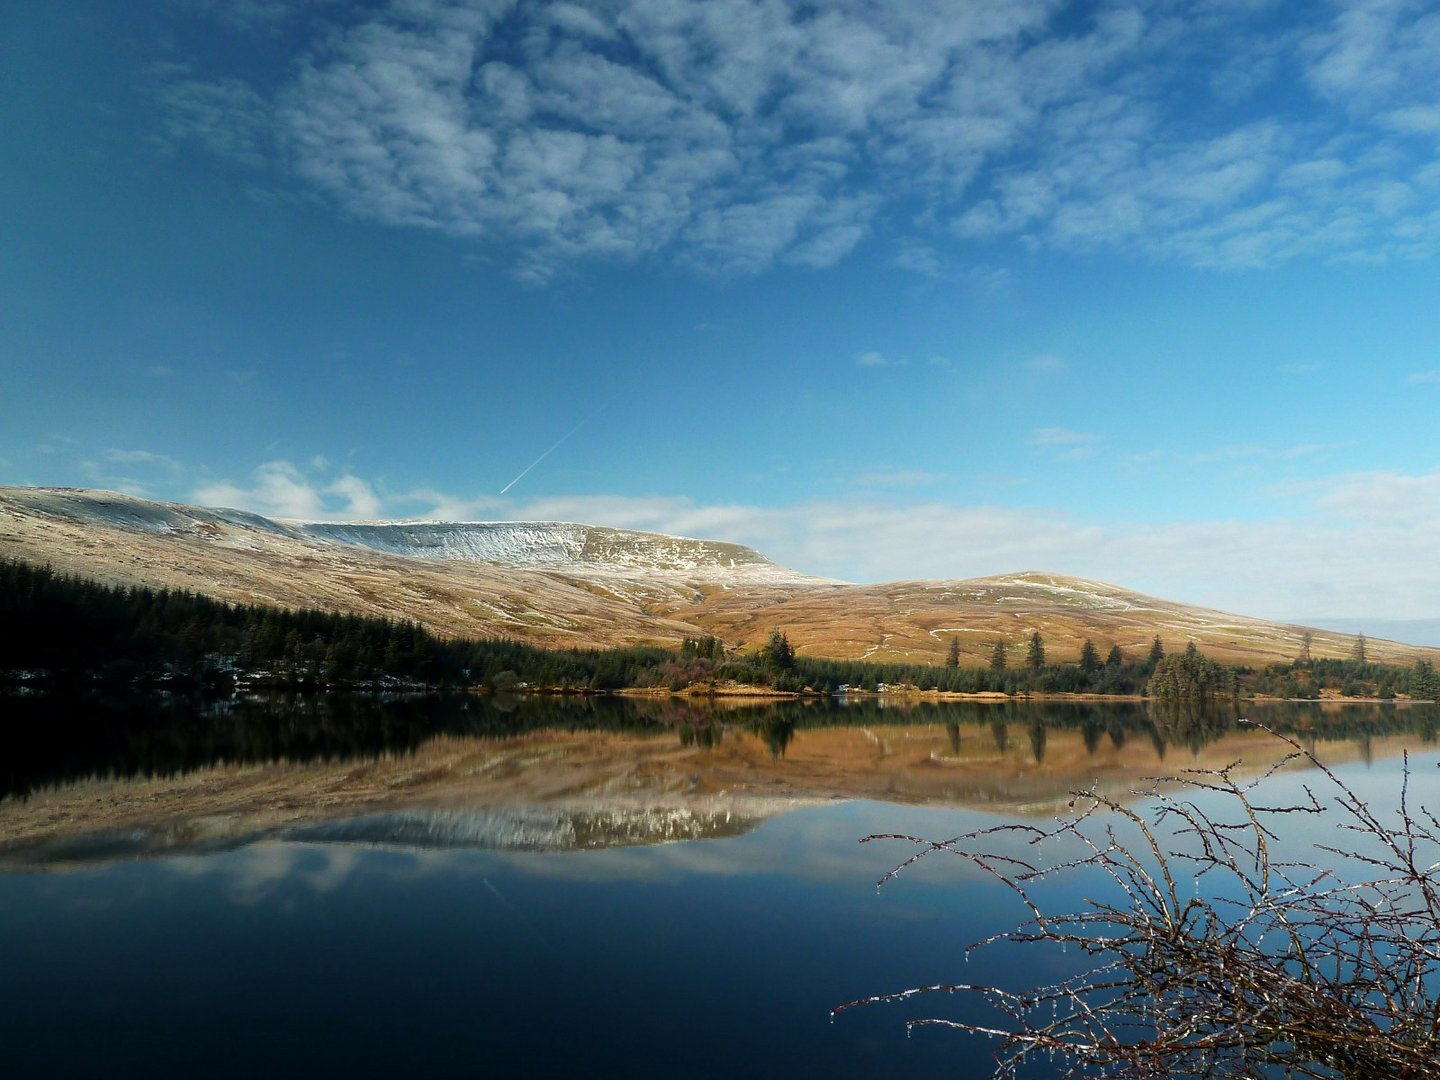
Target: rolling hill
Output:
{"points": [[557, 583]]}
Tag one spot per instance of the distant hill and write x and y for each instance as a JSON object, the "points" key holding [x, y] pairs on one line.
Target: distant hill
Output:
{"points": [[562, 583]]}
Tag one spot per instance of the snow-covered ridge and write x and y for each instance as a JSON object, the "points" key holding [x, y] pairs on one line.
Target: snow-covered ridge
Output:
{"points": [[534, 828], [555, 545], [136, 514], [584, 551]]}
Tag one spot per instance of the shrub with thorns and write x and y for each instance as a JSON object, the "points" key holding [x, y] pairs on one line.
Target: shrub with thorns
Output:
{"points": [[1207, 953]]}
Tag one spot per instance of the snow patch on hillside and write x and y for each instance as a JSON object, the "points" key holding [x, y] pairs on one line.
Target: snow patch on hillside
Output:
{"points": [[567, 547]]}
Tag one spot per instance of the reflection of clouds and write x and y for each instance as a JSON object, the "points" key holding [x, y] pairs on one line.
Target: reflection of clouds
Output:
{"points": [[817, 844], [820, 844], [257, 871]]}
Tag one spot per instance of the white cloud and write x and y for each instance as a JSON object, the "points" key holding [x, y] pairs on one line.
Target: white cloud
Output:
{"points": [[226, 116], [1374, 50], [1064, 444], [1399, 500], [1429, 377], [1305, 450], [278, 489], [918, 258], [1414, 120], [282, 489], [360, 498], [735, 134]]}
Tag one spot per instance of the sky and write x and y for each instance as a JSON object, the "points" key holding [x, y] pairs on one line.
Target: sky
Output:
{"points": [[1144, 292]]}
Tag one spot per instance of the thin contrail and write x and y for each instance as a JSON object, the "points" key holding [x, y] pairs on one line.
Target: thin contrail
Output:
{"points": [[552, 449]]}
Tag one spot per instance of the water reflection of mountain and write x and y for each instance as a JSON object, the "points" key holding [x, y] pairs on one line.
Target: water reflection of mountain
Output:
{"points": [[496, 829], [55, 741], [141, 777], [530, 828]]}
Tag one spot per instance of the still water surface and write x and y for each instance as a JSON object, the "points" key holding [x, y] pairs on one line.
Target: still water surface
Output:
{"points": [[532, 888]]}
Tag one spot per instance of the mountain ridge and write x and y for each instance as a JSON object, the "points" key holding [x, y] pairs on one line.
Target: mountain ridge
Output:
{"points": [[557, 545], [566, 583]]}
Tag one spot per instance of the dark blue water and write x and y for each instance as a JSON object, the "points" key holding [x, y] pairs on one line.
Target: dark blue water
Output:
{"points": [[709, 958], [713, 957]]}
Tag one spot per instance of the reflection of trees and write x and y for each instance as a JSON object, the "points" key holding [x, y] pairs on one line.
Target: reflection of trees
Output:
{"points": [[704, 735], [1037, 742], [777, 731], [1426, 723], [1191, 723], [1314, 719], [61, 739], [50, 740]]}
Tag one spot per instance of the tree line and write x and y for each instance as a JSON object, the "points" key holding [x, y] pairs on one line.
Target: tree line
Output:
{"points": [[69, 629]]}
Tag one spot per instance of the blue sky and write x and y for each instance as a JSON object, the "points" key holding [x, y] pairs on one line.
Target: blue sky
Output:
{"points": [[1146, 292]]}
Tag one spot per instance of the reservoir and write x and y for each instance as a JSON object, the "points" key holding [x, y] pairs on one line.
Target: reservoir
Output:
{"points": [[535, 887]]}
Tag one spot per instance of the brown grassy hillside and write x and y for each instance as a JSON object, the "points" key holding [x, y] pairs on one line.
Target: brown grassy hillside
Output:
{"points": [[245, 558]]}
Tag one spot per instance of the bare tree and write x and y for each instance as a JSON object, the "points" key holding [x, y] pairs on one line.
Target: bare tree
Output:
{"points": [[1212, 956]]}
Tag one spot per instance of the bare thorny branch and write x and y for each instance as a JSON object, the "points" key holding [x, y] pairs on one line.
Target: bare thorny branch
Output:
{"points": [[1272, 968]]}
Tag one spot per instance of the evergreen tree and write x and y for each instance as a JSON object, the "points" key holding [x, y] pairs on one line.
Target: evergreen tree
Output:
{"points": [[1115, 658], [1157, 652], [952, 658], [778, 652], [1359, 653], [1424, 683], [1089, 658], [1191, 677], [997, 656], [1035, 654]]}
